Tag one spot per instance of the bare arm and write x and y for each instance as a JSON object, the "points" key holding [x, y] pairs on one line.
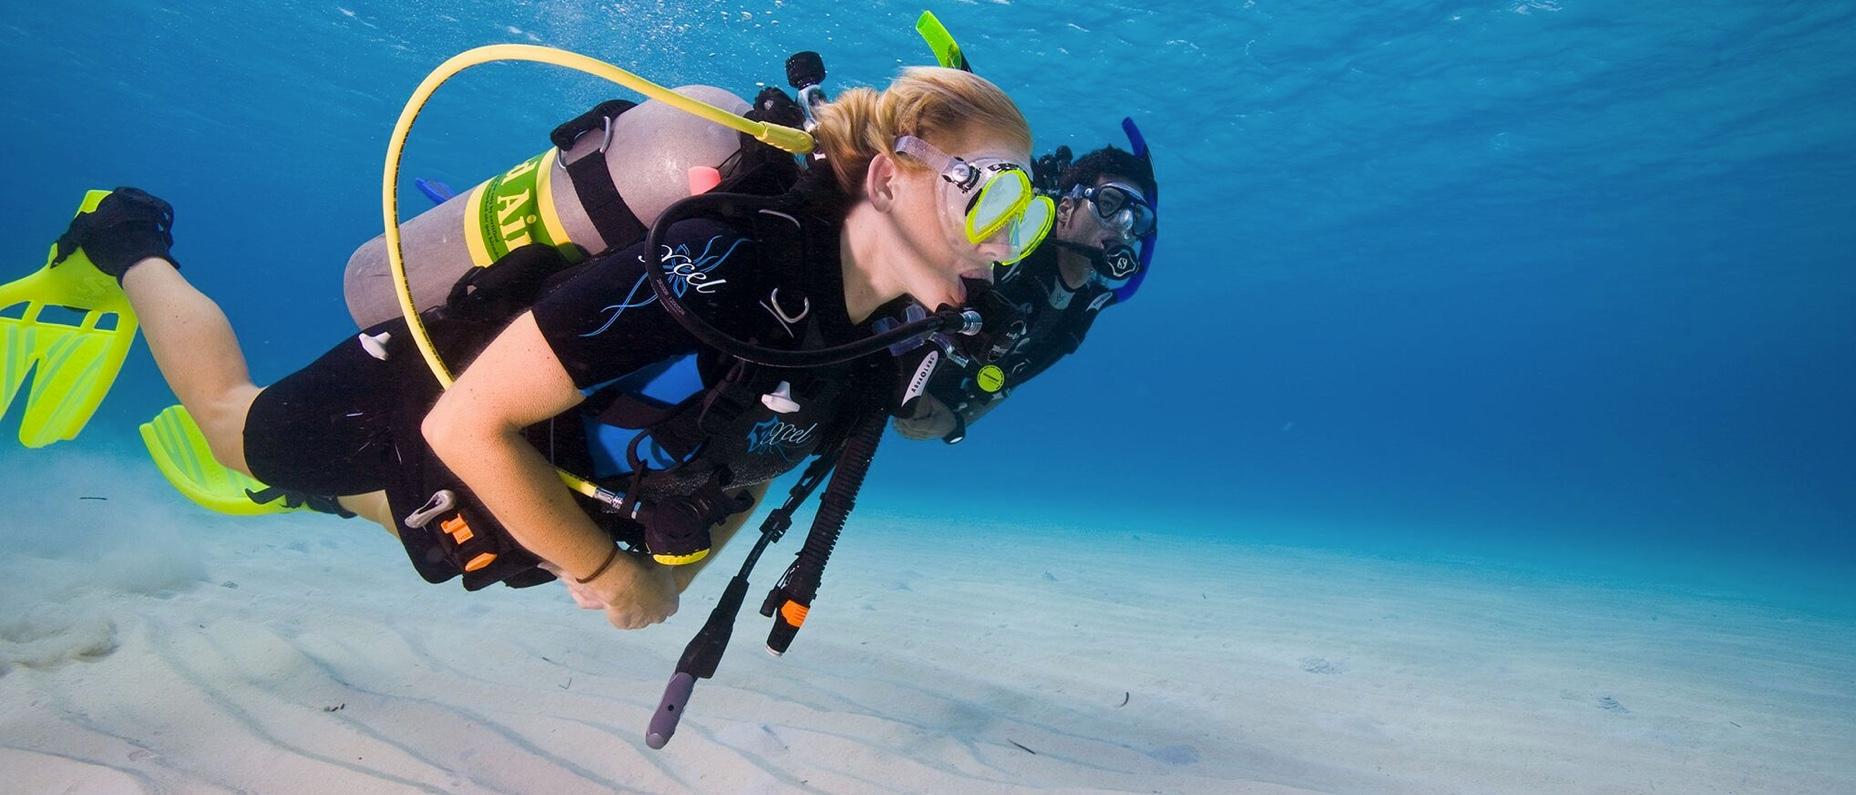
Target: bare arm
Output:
{"points": [[476, 429]]}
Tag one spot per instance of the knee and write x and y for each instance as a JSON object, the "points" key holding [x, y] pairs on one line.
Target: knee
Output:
{"points": [[223, 425]]}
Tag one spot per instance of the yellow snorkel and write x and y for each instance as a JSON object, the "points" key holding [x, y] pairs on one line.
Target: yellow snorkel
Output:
{"points": [[786, 138]]}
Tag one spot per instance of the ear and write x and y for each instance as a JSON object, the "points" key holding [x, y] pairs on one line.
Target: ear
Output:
{"points": [[880, 181], [1065, 206]]}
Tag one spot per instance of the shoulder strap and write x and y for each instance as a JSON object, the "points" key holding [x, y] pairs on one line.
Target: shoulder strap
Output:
{"points": [[618, 226]]}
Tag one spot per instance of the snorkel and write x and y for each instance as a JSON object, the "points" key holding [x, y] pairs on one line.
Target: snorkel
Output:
{"points": [[1139, 144], [1115, 262]]}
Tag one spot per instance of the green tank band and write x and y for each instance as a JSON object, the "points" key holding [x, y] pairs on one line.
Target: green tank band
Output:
{"points": [[513, 209]]}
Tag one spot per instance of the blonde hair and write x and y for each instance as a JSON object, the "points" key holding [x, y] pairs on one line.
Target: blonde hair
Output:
{"points": [[938, 105]]}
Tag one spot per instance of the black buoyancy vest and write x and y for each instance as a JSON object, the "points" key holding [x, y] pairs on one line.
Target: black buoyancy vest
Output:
{"points": [[755, 421], [725, 434]]}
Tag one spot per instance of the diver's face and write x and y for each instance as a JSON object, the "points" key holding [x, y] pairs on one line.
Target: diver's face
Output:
{"points": [[1079, 223], [933, 230]]}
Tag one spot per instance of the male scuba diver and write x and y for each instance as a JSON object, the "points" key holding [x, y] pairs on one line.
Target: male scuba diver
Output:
{"points": [[1096, 256]]}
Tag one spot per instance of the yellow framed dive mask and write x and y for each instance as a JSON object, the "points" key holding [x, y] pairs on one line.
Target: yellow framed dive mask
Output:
{"points": [[989, 195]]}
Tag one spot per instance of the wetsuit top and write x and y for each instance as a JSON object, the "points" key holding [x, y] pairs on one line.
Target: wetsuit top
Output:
{"points": [[1056, 317], [604, 322], [606, 326]]}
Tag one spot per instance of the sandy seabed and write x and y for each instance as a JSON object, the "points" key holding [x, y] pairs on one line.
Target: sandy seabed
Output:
{"points": [[184, 652]]}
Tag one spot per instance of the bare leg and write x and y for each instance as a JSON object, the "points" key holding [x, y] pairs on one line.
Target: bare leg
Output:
{"points": [[373, 507], [198, 354]]}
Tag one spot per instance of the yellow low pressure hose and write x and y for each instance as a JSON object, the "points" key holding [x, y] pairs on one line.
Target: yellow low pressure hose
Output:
{"points": [[787, 138]]}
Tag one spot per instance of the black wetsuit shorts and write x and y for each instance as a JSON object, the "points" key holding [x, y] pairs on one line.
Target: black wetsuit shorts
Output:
{"points": [[328, 429]]}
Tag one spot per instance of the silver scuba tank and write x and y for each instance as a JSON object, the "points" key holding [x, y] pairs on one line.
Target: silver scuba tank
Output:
{"points": [[649, 151]]}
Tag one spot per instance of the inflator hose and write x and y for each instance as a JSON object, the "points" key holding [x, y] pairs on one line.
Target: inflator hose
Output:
{"points": [[788, 602], [787, 138]]}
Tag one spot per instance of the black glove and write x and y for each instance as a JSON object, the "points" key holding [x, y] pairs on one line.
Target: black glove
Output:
{"points": [[128, 226]]}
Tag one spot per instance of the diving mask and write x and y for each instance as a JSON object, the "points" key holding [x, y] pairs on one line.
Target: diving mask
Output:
{"points": [[991, 196], [1120, 206]]}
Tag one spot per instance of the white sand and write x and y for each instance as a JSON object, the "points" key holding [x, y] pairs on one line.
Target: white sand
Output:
{"points": [[187, 653]]}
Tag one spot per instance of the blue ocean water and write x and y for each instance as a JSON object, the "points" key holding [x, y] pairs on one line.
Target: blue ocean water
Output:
{"points": [[1549, 284]]}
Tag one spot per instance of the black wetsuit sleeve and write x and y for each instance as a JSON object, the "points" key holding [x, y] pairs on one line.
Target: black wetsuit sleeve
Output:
{"points": [[1039, 354], [1049, 342], [605, 321]]}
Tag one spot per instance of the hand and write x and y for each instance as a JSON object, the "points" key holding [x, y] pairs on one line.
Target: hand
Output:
{"points": [[127, 227], [932, 420], [636, 593], [583, 595]]}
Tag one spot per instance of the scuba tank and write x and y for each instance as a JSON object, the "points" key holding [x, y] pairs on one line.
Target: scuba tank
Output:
{"points": [[646, 151]]}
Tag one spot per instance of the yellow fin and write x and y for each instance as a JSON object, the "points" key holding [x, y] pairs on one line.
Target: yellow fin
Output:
{"points": [[72, 366], [181, 453]]}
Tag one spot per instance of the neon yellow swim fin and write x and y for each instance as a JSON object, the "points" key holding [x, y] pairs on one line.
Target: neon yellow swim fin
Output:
{"points": [[75, 364], [181, 453]]}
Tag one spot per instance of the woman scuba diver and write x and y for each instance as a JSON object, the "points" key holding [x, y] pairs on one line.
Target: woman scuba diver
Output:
{"points": [[925, 187]]}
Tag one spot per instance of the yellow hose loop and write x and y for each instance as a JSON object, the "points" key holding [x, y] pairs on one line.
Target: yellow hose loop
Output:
{"points": [[787, 138]]}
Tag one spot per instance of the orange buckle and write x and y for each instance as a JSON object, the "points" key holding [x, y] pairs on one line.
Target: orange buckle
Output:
{"points": [[480, 561], [458, 528]]}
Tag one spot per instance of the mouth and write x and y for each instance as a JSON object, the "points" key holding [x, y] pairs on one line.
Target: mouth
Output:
{"points": [[960, 285]]}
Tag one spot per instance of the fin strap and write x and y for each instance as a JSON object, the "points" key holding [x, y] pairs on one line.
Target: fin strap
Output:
{"points": [[293, 499]]}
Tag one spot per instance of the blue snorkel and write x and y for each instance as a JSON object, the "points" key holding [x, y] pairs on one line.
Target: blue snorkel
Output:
{"points": [[1139, 144], [437, 191]]}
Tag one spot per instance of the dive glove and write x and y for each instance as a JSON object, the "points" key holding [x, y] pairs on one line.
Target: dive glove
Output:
{"points": [[128, 226]]}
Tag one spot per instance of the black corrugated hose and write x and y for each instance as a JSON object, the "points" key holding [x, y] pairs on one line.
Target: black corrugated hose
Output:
{"points": [[788, 602]]}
